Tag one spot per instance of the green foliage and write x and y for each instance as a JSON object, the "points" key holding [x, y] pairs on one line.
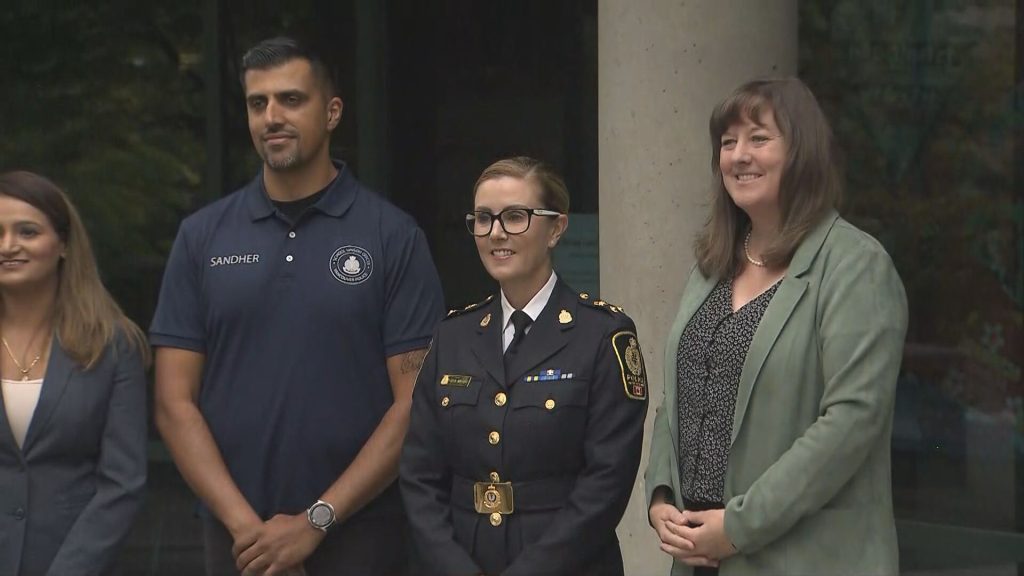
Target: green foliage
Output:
{"points": [[106, 99]]}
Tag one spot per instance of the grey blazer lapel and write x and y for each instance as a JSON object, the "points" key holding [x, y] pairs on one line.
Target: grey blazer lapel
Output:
{"points": [[7, 441], [791, 290], [58, 372]]}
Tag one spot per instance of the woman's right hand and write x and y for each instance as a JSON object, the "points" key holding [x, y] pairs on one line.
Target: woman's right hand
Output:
{"points": [[667, 520]]}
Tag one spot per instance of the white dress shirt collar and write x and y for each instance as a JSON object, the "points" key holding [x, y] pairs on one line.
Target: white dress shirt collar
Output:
{"points": [[533, 309]]}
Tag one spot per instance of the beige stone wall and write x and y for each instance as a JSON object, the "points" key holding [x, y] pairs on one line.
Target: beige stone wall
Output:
{"points": [[662, 66]]}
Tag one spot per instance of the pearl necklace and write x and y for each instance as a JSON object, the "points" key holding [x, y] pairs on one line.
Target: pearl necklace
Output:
{"points": [[24, 371], [746, 252]]}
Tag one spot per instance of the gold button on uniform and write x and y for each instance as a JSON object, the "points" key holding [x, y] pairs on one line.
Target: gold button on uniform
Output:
{"points": [[495, 519], [495, 477], [500, 398], [549, 404], [445, 401], [494, 438]]}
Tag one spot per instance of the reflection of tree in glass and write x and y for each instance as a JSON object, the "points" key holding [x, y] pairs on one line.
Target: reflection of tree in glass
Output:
{"points": [[921, 96], [106, 98]]}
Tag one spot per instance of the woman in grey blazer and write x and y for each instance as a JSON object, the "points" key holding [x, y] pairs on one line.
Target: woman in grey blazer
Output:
{"points": [[770, 452], [73, 417]]}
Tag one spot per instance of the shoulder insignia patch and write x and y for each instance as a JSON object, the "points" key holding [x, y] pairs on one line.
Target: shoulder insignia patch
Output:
{"points": [[459, 311], [631, 364]]}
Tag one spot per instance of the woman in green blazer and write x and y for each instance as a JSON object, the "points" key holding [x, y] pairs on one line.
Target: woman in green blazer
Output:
{"points": [[770, 452]]}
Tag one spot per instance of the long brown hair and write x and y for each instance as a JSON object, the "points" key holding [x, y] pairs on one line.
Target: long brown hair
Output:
{"points": [[86, 318], [811, 184]]}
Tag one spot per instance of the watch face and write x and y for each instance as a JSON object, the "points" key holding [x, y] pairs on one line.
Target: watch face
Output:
{"points": [[321, 515]]}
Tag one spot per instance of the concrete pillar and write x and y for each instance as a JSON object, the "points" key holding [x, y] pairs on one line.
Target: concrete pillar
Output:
{"points": [[662, 66]]}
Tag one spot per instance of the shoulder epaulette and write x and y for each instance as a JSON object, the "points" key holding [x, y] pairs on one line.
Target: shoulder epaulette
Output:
{"points": [[598, 303], [459, 311]]}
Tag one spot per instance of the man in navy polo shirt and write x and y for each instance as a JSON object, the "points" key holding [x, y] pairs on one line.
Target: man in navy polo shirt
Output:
{"points": [[293, 318]]}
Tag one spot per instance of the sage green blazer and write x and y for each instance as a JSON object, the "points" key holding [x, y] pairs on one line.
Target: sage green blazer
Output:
{"points": [[807, 486]]}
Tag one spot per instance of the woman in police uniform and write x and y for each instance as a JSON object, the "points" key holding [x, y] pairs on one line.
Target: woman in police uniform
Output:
{"points": [[528, 413]]}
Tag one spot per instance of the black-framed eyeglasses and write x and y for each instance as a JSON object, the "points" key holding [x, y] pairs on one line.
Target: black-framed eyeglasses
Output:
{"points": [[513, 220]]}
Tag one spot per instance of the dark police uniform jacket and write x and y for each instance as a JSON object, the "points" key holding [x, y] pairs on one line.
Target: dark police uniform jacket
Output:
{"points": [[564, 427]]}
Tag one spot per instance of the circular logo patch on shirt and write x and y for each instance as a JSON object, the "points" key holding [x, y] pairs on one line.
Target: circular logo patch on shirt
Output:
{"points": [[351, 264]]}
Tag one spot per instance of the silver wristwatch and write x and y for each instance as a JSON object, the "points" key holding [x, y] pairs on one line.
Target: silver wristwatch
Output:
{"points": [[321, 515]]}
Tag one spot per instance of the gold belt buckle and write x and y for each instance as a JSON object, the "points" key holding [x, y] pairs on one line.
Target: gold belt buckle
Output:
{"points": [[491, 497]]}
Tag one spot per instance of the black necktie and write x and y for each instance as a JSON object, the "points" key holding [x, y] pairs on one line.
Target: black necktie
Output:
{"points": [[520, 320]]}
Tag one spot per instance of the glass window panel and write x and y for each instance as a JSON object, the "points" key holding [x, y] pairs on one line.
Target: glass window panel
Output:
{"points": [[924, 98]]}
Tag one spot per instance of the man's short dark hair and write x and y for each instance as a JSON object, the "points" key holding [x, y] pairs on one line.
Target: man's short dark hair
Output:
{"points": [[280, 50]]}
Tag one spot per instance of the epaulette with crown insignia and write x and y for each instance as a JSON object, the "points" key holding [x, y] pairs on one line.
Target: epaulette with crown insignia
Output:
{"points": [[459, 311], [598, 303]]}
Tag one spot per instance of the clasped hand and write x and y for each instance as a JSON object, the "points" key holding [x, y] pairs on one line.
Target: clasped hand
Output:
{"points": [[277, 547], [694, 538]]}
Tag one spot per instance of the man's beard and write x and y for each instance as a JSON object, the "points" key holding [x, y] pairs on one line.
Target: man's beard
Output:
{"points": [[281, 162]]}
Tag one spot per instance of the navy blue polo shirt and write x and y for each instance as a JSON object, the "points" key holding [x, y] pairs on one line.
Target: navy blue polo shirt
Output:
{"points": [[296, 322]]}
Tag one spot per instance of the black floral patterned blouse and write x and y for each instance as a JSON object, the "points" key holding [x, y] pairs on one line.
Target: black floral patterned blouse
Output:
{"points": [[710, 360]]}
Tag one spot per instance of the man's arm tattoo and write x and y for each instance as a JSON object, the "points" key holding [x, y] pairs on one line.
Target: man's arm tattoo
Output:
{"points": [[412, 361]]}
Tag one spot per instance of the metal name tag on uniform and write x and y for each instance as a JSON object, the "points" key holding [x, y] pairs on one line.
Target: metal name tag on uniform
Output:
{"points": [[549, 374], [456, 380]]}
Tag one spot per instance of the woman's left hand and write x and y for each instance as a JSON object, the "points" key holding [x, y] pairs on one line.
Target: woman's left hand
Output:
{"points": [[707, 532]]}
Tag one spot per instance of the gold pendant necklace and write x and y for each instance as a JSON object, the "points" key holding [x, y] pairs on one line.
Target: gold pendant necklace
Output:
{"points": [[24, 371]]}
